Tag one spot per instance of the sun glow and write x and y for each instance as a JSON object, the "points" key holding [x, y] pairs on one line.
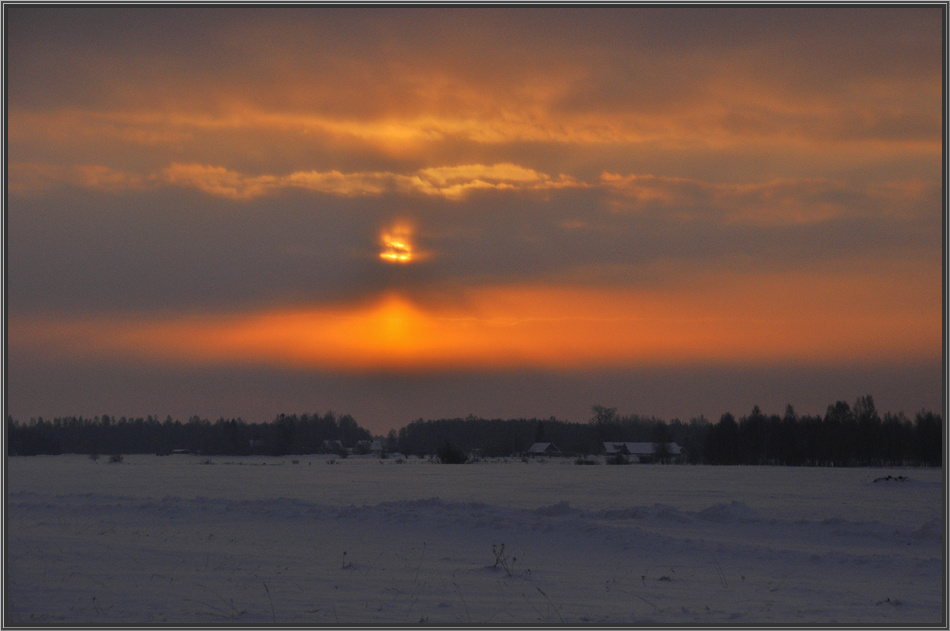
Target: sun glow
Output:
{"points": [[541, 327], [397, 247]]}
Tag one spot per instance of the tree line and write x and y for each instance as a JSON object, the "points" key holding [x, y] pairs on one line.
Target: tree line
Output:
{"points": [[285, 435], [847, 435]]}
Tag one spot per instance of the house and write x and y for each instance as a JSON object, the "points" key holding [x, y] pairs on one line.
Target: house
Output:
{"points": [[644, 452], [543, 449], [374, 447], [331, 447]]}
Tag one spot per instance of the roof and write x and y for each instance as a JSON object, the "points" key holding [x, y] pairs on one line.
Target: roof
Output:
{"points": [[542, 448], [639, 449]]}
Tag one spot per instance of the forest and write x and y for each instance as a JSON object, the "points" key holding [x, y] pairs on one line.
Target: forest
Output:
{"points": [[847, 435], [285, 435]]}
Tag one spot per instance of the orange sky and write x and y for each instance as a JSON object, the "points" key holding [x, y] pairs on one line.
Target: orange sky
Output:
{"points": [[341, 191], [736, 319]]}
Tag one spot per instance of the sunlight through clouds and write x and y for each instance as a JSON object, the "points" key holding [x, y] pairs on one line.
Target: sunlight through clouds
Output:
{"points": [[571, 189], [559, 327], [397, 244]]}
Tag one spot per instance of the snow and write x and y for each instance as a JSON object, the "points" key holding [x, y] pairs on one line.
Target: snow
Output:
{"points": [[255, 540]]}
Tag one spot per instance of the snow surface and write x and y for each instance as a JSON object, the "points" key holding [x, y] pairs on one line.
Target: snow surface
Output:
{"points": [[259, 540]]}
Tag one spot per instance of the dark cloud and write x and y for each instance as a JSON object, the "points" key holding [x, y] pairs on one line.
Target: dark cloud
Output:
{"points": [[79, 251], [357, 63]]}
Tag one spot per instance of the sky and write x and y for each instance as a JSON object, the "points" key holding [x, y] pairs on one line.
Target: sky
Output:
{"points": [[403, 213]]}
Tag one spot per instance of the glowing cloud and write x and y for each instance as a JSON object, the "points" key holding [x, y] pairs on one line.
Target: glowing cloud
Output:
{"points": [[397, 244], [737, 319], [447, 182]]}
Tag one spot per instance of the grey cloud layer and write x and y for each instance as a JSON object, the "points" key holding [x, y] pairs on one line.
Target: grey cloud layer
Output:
{"points": [[165, 157], [77, 249], [558, 74]]}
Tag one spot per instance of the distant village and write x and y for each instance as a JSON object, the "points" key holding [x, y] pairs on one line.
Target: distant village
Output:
{"points": [[627, 452], [846, 435]]}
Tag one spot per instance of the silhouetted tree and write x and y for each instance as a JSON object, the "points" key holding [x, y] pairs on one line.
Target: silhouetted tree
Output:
{"points": [[450, 454], [845, 436], [539, 433], [928, 438], [722, 442], [661, 440]]}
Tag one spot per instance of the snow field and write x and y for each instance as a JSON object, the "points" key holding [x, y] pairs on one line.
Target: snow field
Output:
{"points": [[263, 540]]}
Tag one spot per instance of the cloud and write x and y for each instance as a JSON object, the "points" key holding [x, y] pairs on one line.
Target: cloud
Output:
{"points": [[784, 202], [780, 202], [499, 75], [447, 182], [218, 181], [560, 86], [25, 179], [645, 84], [732, 319], [453, 182]]}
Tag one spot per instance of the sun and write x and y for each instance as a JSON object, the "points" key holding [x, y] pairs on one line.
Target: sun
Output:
{"points": [[397, 244]]}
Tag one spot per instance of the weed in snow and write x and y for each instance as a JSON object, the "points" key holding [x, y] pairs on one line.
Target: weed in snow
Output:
{"points": [[502, 559]]}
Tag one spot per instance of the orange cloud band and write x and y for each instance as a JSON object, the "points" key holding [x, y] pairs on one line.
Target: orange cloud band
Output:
{"points": [[740, 319], [777, 202], [453, 182]]}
